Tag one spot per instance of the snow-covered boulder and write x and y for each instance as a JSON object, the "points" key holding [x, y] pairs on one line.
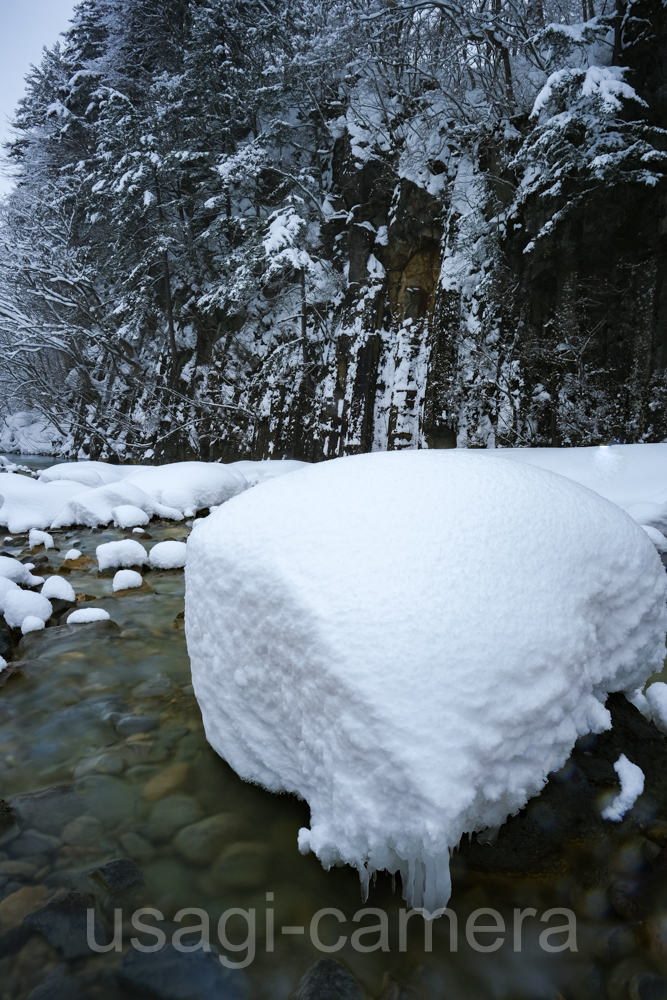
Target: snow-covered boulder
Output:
{"points": [[57, 587], [12, 569], [126, 579], [37, 538], [26, 503], [86, 615], [412, 641], [127, 552], [91, 474], [21, 604], [189, 486], [129, 516], [97, 506], [168, 555]]}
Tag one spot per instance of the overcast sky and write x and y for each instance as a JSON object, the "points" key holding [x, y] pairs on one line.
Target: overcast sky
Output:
{"points": [[26, 26]]}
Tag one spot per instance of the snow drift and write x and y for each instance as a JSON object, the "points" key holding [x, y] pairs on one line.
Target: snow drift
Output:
{"points": [[412, 641]]}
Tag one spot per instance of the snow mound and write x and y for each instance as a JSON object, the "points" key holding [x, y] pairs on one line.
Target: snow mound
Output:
{"points": [[126, 579], [632, 785], [26, 503], [86, 615], [94, 507], [32, 624], [21, 604], [261, 472], [127, 552], [656, 697], [5, 586], [37, 537], [72, 554], [56, 587], [190, 486], [656, 537], [412, 641], [168, 555], [19, 572], [128, 516], [87, 473]]}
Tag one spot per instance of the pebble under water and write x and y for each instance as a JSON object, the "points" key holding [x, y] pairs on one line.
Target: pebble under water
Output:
{"points": [[114, 801]]}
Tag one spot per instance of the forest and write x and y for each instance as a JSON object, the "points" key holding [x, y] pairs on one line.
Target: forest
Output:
{"points": [[313, 229]]}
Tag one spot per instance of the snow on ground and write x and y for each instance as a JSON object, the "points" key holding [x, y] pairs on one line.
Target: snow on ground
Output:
{"points": [[126, 579], [632, 785], [168, 555], [96, 493], [412, 641], [56, 587], [86, 615], [126, 552]]}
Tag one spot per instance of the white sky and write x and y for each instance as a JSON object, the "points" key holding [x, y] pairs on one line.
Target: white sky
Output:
{"points": [[26, 26]]}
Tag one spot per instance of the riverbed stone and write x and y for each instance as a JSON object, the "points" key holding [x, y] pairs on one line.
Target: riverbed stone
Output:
{"points": [[57, 988], [130, 725], [84, 831], [242, 865], [23, 869], [327, 979], [172, 975], [137, 847], [171, 814], [105, 763], [167, 782], [200, 843], [48, 810], [154, 687], [32, 842], [63, 923], [118, 877], [16, 907]]}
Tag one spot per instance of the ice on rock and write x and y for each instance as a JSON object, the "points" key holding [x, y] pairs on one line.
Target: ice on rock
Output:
{"points": [[32, 624], [127, 516], [632, 785], [37, 537], [126, 579], [168, 555], [12, 569], [412, 641], [86, 615], [21, 604], [58, 588], [127, 552]]}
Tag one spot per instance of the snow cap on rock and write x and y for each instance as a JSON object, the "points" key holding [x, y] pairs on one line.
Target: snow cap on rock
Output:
{"points": [[168, 555], [56, 587], [21, 604], [32, 624], [37, 537], [128, 516], [85, 615], [126, 552], [412, 641], [126, 579], [18, 572]]}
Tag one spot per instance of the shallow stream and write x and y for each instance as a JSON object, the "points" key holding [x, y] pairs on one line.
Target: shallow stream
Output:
{"points": [[104, 716]]}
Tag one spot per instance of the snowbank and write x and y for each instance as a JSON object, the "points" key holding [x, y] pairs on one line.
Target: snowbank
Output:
{"points": [[127, 552], [412, 641], [168, 555], [97, 506]]}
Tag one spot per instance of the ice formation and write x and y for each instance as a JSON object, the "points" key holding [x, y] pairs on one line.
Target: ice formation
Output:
{"points": [[56, 587], [21, 604], [412, 641], [126, 552], [168, 555], [85, 615], [126, 579], [632, 785]]}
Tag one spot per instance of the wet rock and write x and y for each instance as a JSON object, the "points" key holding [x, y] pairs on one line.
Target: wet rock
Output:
{"points": [[200, 843], [243, 865], [130, 725], [647, 986], [83, 562], [179, 620], [23, 869], [155, 687], [6, 640], [84, 831], [172, 814], [8, 825], [118, 877], [57, 988], [137, 847], [59, 606], [49, 810], [108, 798], [105, 763], [63, 923], [33, 842], [328, 980], [172, 975], [35, 643], [145, 588], [167, 782], [16, 907], [13, 940], [392, 989]]}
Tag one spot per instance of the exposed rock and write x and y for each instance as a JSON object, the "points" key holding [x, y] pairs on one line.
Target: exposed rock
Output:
{"points": [[63, 923], [16, 907], [145, 588], [6, 640], [172, 975], [201, 842], [118, 877], [328, 980], [35, 642]]}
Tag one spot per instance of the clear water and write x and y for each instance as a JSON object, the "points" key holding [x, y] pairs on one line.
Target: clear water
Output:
{"points": [[58, 726]]}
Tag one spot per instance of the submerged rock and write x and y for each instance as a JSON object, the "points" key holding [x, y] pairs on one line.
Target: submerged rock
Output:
{"points": [[63, 923], [172, 975], [328, 980]]}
